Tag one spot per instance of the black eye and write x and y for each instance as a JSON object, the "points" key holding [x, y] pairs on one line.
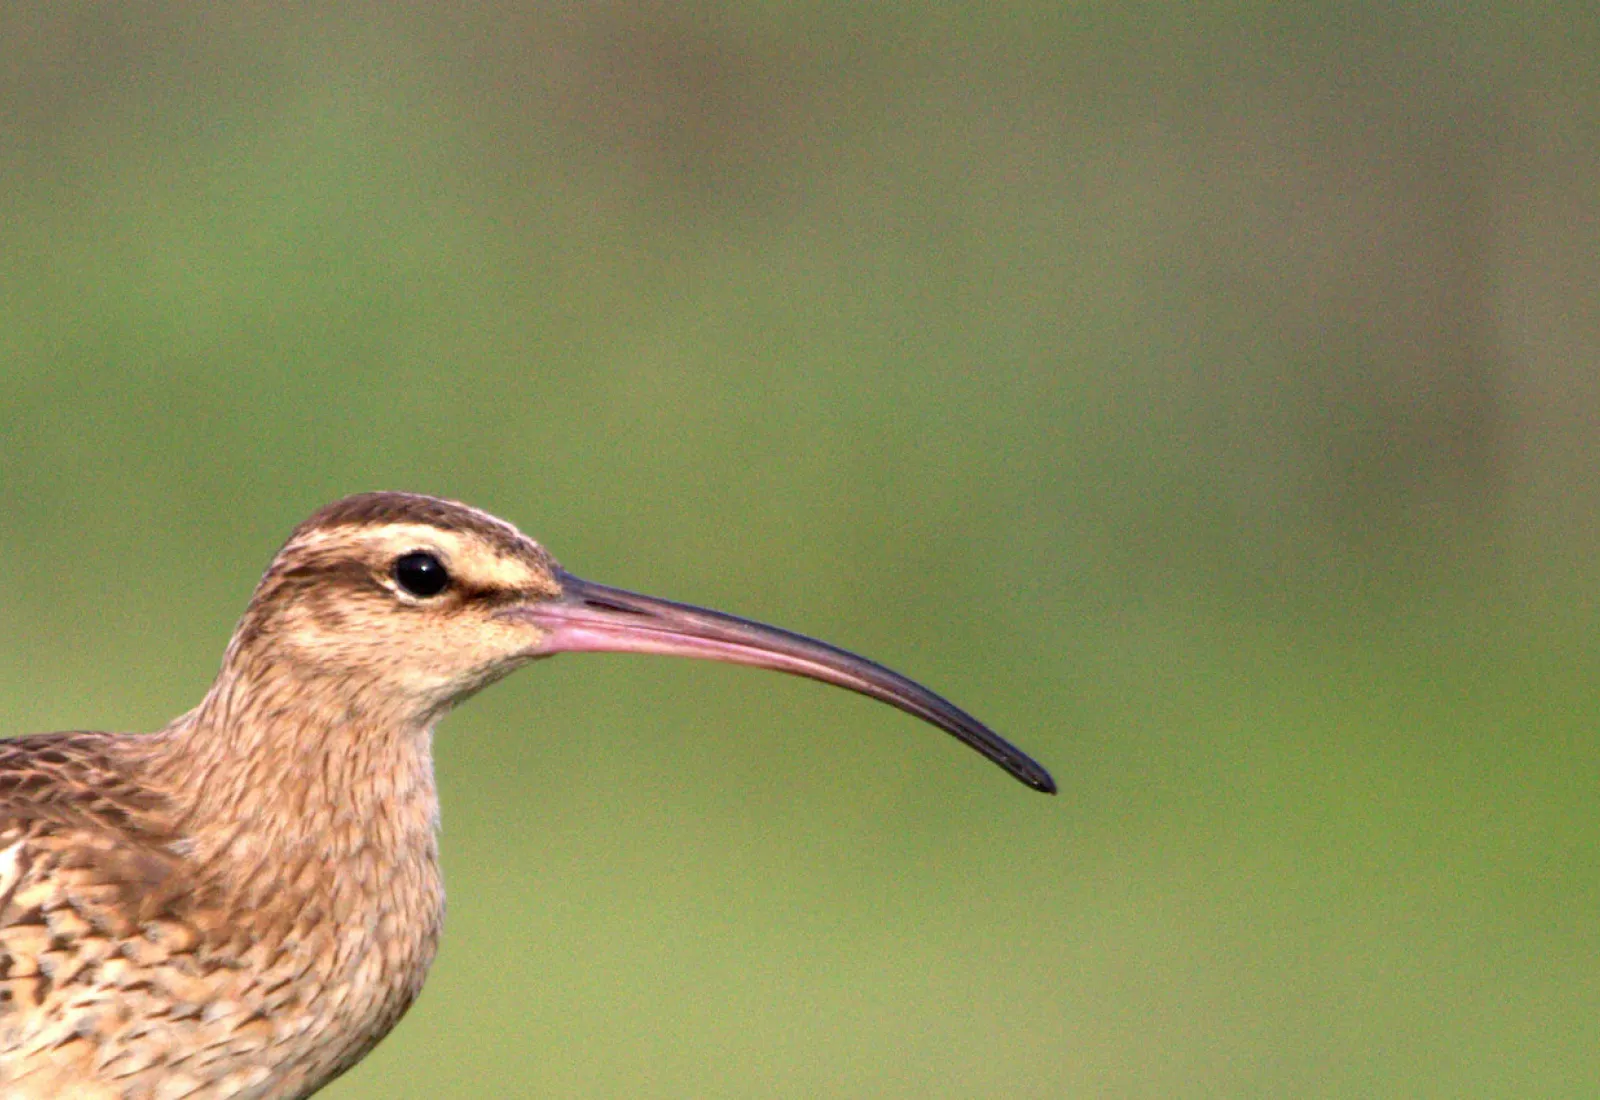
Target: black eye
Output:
{"points": [[421, 574]]}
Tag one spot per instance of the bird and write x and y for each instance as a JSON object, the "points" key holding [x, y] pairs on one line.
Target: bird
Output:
{"points": [[244, 902]]}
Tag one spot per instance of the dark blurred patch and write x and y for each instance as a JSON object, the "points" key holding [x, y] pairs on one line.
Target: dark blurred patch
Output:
{"points": [[679, 111], [87, 77]]}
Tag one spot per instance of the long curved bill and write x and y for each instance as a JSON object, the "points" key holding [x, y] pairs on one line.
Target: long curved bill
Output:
{"points": [[596, 618]]}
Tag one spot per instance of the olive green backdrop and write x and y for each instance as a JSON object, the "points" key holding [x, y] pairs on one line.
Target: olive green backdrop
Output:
{"points": [[1208, 400]]}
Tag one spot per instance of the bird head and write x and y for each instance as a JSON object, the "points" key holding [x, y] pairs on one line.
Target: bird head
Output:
{"points": [[407, 604]]}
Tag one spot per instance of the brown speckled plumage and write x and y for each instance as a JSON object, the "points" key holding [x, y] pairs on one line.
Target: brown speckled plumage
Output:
{"points": [[243, 903]]}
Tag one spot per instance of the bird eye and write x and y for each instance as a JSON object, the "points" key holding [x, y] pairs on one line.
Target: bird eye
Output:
{"points": [[420, 573]]}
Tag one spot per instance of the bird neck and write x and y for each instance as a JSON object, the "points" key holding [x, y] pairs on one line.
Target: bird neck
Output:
{"points": [[311, 820], [274, 761]]}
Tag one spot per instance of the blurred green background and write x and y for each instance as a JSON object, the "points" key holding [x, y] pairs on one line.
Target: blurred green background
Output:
{"points": [[1206, 397]]}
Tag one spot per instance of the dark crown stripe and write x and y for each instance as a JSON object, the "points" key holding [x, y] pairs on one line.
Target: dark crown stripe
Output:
{"points": [[378, 509]]}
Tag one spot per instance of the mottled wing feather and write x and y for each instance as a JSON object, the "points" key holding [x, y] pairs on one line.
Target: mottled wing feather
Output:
{"points": [[68, 928], [124, 975], [79, 880]]}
